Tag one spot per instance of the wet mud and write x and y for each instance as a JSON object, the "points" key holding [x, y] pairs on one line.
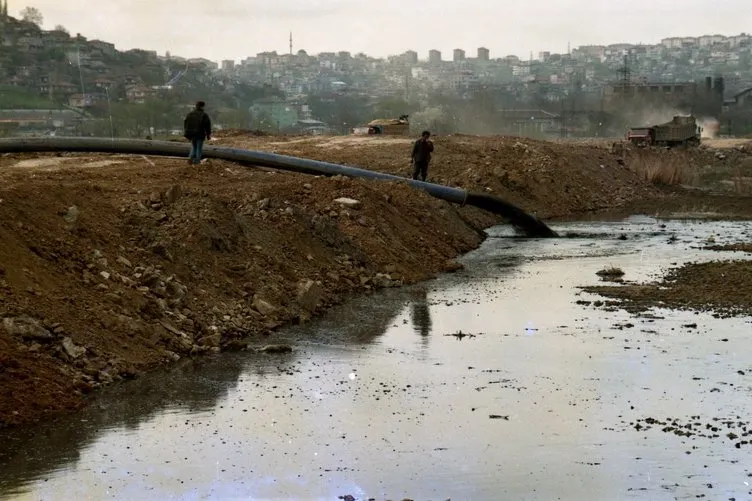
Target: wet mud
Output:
{"points": [[503, 380]]}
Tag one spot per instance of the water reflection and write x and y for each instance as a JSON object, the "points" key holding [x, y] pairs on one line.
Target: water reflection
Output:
{"points": [[366, 407], [193, 386], [420, 313]]}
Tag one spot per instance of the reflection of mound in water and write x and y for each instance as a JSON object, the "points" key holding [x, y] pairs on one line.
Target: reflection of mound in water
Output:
{"points": [[31, 452]]}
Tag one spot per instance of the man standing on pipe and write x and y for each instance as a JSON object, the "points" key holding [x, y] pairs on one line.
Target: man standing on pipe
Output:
{"points": [[422, 155], [197, 125]]}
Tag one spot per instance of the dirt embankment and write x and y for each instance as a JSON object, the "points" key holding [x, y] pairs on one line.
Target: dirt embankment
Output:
{"points": [[108, 271], [552, 179], [112, 265], [547, 179]]}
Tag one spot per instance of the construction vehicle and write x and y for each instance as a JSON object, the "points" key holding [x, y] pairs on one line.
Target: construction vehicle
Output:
{"points": [[388, 126], [680, 131]]}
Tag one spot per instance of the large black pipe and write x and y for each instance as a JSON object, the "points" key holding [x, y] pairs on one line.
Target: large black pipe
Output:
{"points": [[525, 222]]}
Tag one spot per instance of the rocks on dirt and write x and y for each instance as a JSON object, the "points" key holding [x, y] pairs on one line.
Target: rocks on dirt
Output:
{"points": [[611, 272], [71, 216], [263, 306], [350, 203], [172, 194], [383, 280], [71, 349], [310, 294], [452, 266], [211, 341], [275, 349], [124, 262], [27, 328]]}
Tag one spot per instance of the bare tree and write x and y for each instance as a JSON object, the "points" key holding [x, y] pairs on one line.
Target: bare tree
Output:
{"points": [[32, 15], [62, 28]]}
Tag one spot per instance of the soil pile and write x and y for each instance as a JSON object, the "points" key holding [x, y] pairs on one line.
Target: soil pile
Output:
{"points": [[112, 265], [546, 179], [109, 271]]}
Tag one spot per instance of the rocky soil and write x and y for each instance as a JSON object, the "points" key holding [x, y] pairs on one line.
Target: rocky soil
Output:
{"points": [[722, 287], [110, 271], [114, 265], [547, 179]]}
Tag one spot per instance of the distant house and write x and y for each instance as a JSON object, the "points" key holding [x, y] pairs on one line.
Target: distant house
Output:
{"points": [[30, 43], [103, 83], [102, 48], [274, 113], [38, 122], [87, 100], [528, 122], [741, 99], [312, 127], [138, 93]]}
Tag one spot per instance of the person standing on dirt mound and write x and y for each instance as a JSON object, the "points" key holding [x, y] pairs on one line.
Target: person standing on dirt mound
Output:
{"points": [[422, 155], [197, 125]]}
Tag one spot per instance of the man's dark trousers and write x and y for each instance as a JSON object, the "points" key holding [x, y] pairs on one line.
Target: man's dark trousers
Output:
{"points": [[420, 169]]}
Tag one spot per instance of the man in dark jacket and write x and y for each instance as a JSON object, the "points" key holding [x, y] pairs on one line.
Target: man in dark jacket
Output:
{"points": [[197, 125], [422, 155]]}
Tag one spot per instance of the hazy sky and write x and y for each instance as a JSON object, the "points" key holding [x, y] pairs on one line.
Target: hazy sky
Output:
{"points": [[234, 29]]}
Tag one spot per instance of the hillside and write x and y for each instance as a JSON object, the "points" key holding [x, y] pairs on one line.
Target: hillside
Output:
{"points": [[51, 69]]}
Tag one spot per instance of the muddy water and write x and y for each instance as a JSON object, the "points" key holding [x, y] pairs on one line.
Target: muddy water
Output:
{"points": [[381, 400]]}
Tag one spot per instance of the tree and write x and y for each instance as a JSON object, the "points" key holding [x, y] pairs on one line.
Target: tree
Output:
{"points": [[32, 15], [62, 28]]}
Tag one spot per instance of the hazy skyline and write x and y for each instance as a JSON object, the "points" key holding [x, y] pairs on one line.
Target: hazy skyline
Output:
{"points": [[235, 29]]}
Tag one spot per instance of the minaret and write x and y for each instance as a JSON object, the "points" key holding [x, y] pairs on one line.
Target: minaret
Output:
{"points": [[3, 8], [290, 42]]}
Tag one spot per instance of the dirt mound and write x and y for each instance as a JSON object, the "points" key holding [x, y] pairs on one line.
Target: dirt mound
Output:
{"points": [[111, 265], [110, 271], [547, 179]]}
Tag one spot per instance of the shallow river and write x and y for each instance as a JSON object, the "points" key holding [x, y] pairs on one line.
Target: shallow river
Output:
{"points": [[380, 400]]}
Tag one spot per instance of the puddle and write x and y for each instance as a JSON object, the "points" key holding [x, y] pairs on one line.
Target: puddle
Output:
{"points": [[383, 398]]}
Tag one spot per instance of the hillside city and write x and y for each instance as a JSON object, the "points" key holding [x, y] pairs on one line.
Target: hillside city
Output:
{"points": [[52, 81]]}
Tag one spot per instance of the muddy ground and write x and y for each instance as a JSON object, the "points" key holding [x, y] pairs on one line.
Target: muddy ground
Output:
{"points": [[721, 287], [114, 265]]}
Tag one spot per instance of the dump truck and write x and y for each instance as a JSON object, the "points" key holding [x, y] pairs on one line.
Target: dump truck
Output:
{"points": [[680, 131], [389, 126]]}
